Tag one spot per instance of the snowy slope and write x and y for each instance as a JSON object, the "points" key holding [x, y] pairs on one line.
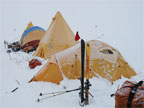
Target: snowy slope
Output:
{"points": [[119, 24], [27, 93]]}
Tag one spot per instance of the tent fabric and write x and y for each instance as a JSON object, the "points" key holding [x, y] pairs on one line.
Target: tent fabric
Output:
{"points": [[32, 36], [105, 62], [28, 26], [30, 30], [58, 37]]}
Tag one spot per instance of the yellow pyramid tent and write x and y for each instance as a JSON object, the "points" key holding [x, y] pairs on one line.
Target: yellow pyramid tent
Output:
{"points": [[105, 62], [58, 37]]}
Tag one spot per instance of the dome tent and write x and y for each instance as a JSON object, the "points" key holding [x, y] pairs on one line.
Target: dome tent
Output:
{"points": [[31, 36], [105, 62], [28, 26], [57, 38]]}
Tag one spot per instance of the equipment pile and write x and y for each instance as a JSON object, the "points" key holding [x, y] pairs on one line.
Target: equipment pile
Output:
{"points": [[15, 46]]}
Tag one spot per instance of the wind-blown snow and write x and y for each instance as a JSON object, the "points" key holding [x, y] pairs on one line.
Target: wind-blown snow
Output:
{"points": [[119, 23]]}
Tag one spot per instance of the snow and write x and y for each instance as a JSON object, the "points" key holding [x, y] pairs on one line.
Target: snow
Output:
{"points": [[120, 23]]}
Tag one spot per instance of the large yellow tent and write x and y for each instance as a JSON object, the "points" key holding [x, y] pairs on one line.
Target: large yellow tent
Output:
{"points": [[58, 37], [105, 62]]}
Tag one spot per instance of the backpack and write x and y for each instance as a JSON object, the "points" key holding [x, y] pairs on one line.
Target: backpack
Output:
{"points": [[130, 95]]}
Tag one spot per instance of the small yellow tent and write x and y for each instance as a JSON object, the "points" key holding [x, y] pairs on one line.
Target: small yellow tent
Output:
{"points": [[58, 37], [31, 36], [28, 26], [105, 62]]}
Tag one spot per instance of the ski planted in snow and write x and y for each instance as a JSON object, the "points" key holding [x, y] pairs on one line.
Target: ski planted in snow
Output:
{"points": [[87, 83], [82, 72]]}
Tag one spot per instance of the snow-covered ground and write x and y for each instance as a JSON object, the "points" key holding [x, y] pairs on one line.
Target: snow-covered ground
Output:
{"points": [[16, 69], [119, 23]]}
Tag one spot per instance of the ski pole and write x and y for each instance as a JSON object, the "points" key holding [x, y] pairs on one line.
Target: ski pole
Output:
{"points": [[56, 94], [39, 99], [18, 82], [14, 89], [41, 94], [9, 51], [91, 95], [4, 43]]}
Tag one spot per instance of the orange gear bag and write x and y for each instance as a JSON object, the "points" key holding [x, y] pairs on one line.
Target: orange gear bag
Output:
{"points": [[130, 95]]}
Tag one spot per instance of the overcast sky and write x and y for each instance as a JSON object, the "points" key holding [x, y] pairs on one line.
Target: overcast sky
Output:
{"points": [[115, 16], [112, 21]]}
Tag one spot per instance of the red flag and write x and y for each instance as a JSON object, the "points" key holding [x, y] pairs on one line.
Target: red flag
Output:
{"points": [[77, 37]]}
